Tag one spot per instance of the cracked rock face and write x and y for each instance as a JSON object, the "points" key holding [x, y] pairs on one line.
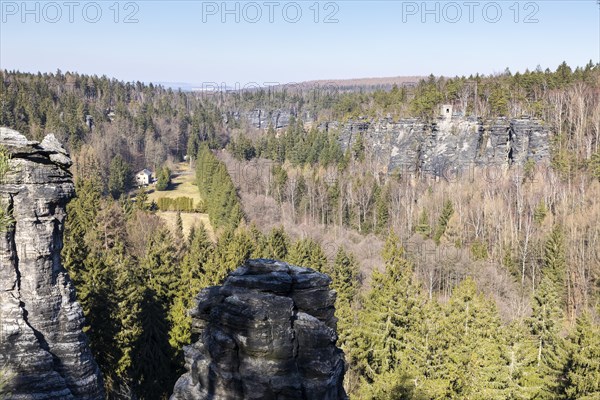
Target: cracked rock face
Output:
{"points": [[449, 148], [43, 351], [268, 333]]}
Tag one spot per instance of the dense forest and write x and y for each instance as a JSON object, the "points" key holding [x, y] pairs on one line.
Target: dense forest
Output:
{"points": [[473, 288]]}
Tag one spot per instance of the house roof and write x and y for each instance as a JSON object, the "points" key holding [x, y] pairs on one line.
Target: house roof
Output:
{"points": [[145, 171]]}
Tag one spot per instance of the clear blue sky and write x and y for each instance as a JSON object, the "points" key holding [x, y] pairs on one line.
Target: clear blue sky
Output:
{"points": [[187, 41]]}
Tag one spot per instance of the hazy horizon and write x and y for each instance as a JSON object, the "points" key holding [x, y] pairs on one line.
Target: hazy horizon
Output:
{"points": [[193, 42]]}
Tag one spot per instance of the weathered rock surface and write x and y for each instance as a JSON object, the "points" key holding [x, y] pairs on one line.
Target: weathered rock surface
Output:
{"points": [[268, 333], [43, 351], [262, 118], [449, 147]]}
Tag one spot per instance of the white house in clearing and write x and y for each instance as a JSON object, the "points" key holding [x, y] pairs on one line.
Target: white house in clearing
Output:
{"points": [[144, 177]]}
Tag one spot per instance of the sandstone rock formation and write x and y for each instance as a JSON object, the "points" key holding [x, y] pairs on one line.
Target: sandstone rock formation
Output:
{"points": [[43, 351], [268, 333], [448, 148]]}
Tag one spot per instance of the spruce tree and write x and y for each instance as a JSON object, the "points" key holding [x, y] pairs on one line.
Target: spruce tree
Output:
{"points": [[120, 179], [422, 226], [160, 268], [192, 281], [389, 331], [476, 366], [545, 324], [277, 244], [153, 356], [442, 224], [526, 379], [308, 253], [555, 264], [345, 281], [129, 286], [141, 200], [582, 372]]}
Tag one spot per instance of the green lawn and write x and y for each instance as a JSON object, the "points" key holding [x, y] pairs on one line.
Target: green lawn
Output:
{"points": [[182, 185]]}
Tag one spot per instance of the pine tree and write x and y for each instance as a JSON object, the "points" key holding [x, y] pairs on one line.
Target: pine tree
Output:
{"points": [[164, 179], [389, 331], [555, 264], [475, 365], [346, 282], [440, 229], [307, 253], [277, 244], [160, 268], [153, 370], [422, 226], [119, 180], [583, 365], [545, 326], [526, 379], [193, 279], [141, 200]]}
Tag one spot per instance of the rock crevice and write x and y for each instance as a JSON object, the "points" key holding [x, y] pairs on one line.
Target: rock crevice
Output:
{"points": [[267, 333], [43, 351]]}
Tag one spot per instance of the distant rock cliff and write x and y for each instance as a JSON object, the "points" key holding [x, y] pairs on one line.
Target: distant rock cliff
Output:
{"points": [[444, 148], [449, 146], [268, 333], [262, 118], [43, 351]]}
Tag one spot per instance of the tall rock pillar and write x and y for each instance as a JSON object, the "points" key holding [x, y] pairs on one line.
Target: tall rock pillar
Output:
{"points": [[43, 352]]}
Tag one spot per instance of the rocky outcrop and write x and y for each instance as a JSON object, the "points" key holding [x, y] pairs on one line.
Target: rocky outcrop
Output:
{"points": [[43, 351], [261, 118], [268, 333], [450, 146]]}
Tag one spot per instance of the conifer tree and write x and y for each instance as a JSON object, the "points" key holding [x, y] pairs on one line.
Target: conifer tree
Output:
{"points": [[119, 181], [179, 227], [422, 226], [582, 378], [163, 179], [259, 242], [82, 211], [440, 229], [141, 200], [129, 287], [160, 268], [193, 279], [277, 244], [476, 364], [346, 282], [388, 333], [545, 325], [308, 253], [153, 371], [522, 354], [555, 263]]}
